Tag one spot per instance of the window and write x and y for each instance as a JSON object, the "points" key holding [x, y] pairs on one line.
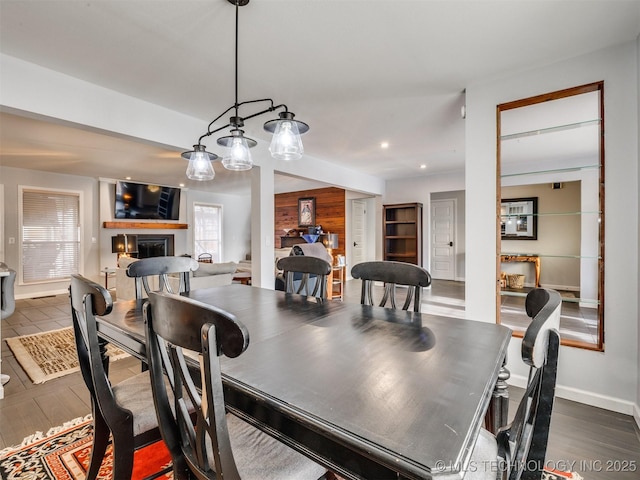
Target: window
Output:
{"points": [[50, 226], [207, 232]]}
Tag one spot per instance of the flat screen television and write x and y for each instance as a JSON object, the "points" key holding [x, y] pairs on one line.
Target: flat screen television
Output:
{"points": [[145, 202]]}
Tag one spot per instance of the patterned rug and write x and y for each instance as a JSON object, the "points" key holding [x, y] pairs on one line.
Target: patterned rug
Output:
{"points": [[558, 475], [64, 452], [49, 355]]}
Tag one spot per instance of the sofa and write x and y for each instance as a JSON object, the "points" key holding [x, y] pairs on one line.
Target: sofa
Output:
{"points": [[207, 275], [309, 249]]}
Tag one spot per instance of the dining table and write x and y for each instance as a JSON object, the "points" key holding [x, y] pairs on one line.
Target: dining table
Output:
{"points": [[369, 392]]}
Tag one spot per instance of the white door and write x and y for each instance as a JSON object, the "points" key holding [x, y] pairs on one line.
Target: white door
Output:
{"points": [[358, 230], [443, 239]]}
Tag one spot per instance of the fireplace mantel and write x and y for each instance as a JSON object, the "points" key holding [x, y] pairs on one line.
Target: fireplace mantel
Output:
{"points": [[157, 226]]}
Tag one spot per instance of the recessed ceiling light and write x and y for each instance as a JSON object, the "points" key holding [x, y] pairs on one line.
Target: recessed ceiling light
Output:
{"points": [[127, 178], [384, 145], [423, 166], [181, 185]]}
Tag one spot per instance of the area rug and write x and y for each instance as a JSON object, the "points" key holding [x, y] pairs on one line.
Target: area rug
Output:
{"points": [[558, 475], [64, 452], [48, 355]]}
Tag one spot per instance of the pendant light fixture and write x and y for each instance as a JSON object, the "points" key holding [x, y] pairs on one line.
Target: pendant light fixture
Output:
{"points": [[286, 143]]}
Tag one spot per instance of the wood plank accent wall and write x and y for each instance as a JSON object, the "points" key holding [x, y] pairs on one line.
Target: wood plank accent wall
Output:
{"points": [[330, 213]]}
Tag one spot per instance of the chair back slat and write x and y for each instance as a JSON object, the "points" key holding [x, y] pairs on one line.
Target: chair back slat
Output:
{"points": [[305, 275], [392, 274], [162, 267], [89, 299], [175, 324], [522, 445]]}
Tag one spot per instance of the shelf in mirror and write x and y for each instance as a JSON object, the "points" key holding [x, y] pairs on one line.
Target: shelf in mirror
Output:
{"points": [[549, 214], [566, 297], [556, 128], [551, 170]]}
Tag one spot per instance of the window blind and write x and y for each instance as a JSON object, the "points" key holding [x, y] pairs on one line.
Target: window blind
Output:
{"points": [[207, 233], [50, 235]]}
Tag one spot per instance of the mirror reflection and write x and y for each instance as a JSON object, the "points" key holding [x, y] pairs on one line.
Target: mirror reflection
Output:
{"points": [[550, 151]]}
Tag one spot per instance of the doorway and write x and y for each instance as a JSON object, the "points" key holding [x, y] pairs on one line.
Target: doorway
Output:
{"points": [[358, 231], [443, 244]]}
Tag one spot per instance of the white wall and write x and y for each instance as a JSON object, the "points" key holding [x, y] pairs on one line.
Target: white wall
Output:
{"points": [[608, 379], [90, 228], [98, 207], [419, 189], [236, 222]]}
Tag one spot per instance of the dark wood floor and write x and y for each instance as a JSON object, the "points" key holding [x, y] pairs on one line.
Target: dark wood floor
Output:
{"points": [[594, 442]]}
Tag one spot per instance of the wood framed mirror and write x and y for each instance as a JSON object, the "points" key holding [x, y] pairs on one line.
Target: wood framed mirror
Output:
{"points": [[550, 147]]}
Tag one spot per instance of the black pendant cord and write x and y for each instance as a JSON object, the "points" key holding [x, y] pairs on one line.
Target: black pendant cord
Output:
{"points": [[238, 121], [237, 15]]}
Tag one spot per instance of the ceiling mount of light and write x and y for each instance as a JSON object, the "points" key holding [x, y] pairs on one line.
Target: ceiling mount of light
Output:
{"points": [[285, 144]]}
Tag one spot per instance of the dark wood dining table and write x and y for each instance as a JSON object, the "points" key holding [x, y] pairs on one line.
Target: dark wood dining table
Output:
{"points": [[369, 392]]}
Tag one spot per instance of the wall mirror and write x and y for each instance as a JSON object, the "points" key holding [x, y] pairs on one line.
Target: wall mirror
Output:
{"points": [[550, 148]]}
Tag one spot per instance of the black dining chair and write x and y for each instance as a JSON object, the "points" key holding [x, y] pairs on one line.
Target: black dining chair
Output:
{"points": [[162, 267], [305, 275], [124, 410], [391, 274], [518, 451], [212, 443]]}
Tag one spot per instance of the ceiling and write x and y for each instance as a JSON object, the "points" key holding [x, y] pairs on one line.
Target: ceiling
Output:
{"points": [[358, 72]]}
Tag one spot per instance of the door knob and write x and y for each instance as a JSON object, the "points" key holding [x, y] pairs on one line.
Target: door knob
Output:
{"points": [[355, 244], [451, 244]]}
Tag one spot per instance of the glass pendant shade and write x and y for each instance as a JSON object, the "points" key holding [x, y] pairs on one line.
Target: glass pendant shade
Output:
{"points": [[238, 155], [286, 143], [200, 167]]}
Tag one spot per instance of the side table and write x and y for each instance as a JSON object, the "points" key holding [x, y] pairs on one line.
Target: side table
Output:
{"points": [[243, 277], [108, 273], [337, 283]]}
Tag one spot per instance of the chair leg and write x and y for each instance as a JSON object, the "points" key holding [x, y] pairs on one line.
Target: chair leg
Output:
{"points": [[122, 461], [123, 456], [100, 443]]}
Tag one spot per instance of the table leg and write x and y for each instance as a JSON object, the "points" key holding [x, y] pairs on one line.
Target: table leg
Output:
{"points": [[498, 412]]}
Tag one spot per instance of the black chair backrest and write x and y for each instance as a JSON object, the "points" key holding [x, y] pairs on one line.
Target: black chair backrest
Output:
{"points": [[174, 323], [89, 299], [7, 300], [523, 444], [392, 274], [308, 271], [162, 267]]}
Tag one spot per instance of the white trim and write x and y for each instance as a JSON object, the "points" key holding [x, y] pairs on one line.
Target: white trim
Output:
{"points": [[45, 293], [588, 398], [636, 414]]}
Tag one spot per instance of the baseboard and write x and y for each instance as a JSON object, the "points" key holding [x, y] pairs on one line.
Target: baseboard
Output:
{"points": [[588, 398], [48, 293], [636, 415]]}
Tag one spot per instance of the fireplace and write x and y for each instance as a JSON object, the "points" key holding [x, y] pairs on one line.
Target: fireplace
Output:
{"points": [[155, 246]]}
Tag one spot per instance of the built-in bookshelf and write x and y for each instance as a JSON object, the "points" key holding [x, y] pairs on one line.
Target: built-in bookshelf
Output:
{"points": [[402, 224]]}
